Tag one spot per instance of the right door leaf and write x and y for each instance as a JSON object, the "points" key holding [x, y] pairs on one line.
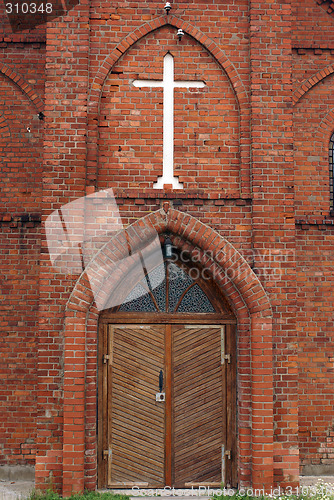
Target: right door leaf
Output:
{"points": [[198, 405]]}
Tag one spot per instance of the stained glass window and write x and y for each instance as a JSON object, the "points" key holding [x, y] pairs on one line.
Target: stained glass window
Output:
{"points": [[178, 282], [167, 288], [144, 303], [195, 300], [157, 283]]}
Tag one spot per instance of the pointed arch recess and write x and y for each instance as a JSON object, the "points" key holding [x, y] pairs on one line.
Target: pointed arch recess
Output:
{"points": [[24, 86], [324, 133], [252, 308], [159, 22], [216, 52]]}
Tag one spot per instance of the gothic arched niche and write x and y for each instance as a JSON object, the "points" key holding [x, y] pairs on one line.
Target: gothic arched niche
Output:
{"points": [[311, 148], [21, 143], [206, 120]]}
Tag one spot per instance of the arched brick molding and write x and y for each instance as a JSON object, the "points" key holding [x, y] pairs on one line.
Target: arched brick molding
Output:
{"points": [[4, 128], [311, 82], [24, 86], [200, 37], [325, 128], [216, 52], [252, 308], [327, 5]]}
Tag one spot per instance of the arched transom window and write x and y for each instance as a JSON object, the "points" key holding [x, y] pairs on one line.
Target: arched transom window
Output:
{"points": [[172, 288]]}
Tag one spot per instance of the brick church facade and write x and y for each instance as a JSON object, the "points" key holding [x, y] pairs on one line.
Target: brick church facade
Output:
{"points": [[252, 151]]}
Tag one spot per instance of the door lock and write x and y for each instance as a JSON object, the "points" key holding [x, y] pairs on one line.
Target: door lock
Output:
{"points": [[160, 396]]}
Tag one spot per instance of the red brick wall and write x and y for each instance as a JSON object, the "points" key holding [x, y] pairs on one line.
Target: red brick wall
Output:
{"points": [[20, 212], [273, 213], [315, 325], [313, 127], [19, 253], [268, 69], [312, 25], [63, 181]]}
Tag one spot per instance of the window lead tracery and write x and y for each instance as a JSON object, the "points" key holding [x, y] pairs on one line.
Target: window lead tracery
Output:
{"points": [[171, 289]]}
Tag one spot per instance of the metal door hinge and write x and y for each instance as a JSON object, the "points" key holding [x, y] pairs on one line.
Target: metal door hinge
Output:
{"points": [[106, 454], [227, 357], [226, 455], [105, 358]]}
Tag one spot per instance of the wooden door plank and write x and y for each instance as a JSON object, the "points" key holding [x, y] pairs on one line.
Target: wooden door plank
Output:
{"points": [[150, 419], [139, 441], [130, 484], [203, 484], [126, 466], [206, 379], [150, 459], [193, 446]]}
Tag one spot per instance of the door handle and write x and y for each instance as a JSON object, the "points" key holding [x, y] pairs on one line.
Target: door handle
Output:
{"points": [[161, 380]]}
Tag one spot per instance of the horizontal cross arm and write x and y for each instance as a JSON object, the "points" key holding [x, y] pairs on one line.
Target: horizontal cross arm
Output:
{"points": [[189, 85], [148, 83]]}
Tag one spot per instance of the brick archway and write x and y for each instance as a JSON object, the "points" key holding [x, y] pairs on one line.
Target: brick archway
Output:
{"points": [[188, 28], [252, 309]]}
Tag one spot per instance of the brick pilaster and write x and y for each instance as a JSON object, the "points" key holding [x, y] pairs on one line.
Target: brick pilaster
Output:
{"points": [[274, 234], [60, 460]]}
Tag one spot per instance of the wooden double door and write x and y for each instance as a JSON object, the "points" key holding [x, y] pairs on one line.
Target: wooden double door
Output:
{"points": [[167, 405]]}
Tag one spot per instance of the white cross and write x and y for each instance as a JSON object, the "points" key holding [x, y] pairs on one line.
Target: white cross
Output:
{"points": [[168, 84]]}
